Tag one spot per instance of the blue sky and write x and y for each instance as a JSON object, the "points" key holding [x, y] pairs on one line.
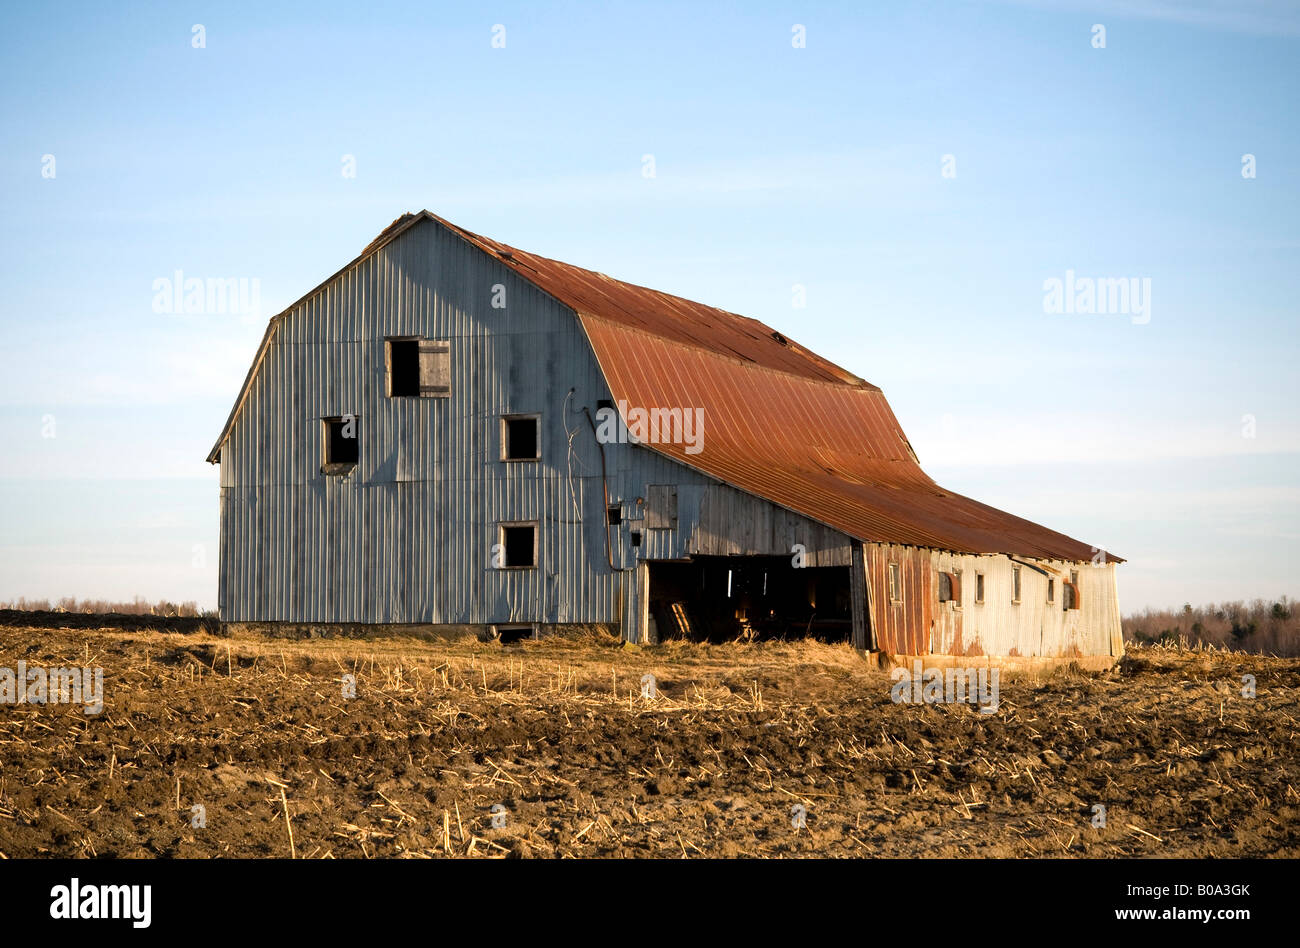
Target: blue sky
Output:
{"points": [[820, 166]]}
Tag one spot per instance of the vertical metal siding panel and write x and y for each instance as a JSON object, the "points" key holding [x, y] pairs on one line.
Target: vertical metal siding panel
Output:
{"points": [[223, 545]]}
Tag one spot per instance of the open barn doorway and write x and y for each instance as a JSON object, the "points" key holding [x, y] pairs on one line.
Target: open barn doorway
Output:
{"points": [[721, 598]]}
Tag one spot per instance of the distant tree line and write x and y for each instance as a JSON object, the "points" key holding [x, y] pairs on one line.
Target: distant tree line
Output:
{"points": [[1262, 626], [139, 606]]}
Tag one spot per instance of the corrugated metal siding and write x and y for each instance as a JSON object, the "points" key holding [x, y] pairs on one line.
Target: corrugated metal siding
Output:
{"points": [[406, 537], [732, 522], [1033, 626], [672, 317], [900, 627]]}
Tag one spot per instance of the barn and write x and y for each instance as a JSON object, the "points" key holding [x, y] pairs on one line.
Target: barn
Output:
{"points": [[454, 432]]}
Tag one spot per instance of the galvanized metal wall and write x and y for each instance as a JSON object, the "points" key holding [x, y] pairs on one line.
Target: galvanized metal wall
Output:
{"points": [[717, 520], [997, 626], [1032, 626], [407, 536]]}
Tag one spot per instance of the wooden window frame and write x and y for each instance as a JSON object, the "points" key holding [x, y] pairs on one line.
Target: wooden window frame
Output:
{"points": [[388, 365], [953, 578], [895, 573], [536, 417], [1072, 600], [501, 538], [338, 468], [1016, 586], [425, 347]]}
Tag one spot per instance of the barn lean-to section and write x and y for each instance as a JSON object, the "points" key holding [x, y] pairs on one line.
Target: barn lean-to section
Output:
{"points": [[802, 508]]}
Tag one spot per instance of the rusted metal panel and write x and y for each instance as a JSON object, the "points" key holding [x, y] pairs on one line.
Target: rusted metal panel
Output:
{"points": [[901, 625], [682, 321], [832, 452], [946, 627], [806, 434], [1032, 626]]}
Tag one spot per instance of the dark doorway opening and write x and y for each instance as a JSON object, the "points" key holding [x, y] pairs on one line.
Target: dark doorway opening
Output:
{"points": [[720, 598], [510, 634]]}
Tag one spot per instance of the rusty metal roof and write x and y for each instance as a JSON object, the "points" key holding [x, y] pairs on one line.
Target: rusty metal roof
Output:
{"points": [[780, 421], [832, 452], [669, 317]]}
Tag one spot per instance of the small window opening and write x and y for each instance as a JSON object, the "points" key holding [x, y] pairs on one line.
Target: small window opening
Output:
{"points": [[520, 545], [895, 583], [614, 516], [636, 537], [340, 445], [519, 437], [979, 587], [403, 368], [1015, 584], [1051, 590]]}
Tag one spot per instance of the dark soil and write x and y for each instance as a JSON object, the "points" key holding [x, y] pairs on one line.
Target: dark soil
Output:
{"points": [[556, 735]]}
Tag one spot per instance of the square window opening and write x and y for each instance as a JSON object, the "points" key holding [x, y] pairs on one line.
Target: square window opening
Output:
{"points": [[519, 544], [340, 444], [946, 585], [519, 438], [1070, 592]]}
